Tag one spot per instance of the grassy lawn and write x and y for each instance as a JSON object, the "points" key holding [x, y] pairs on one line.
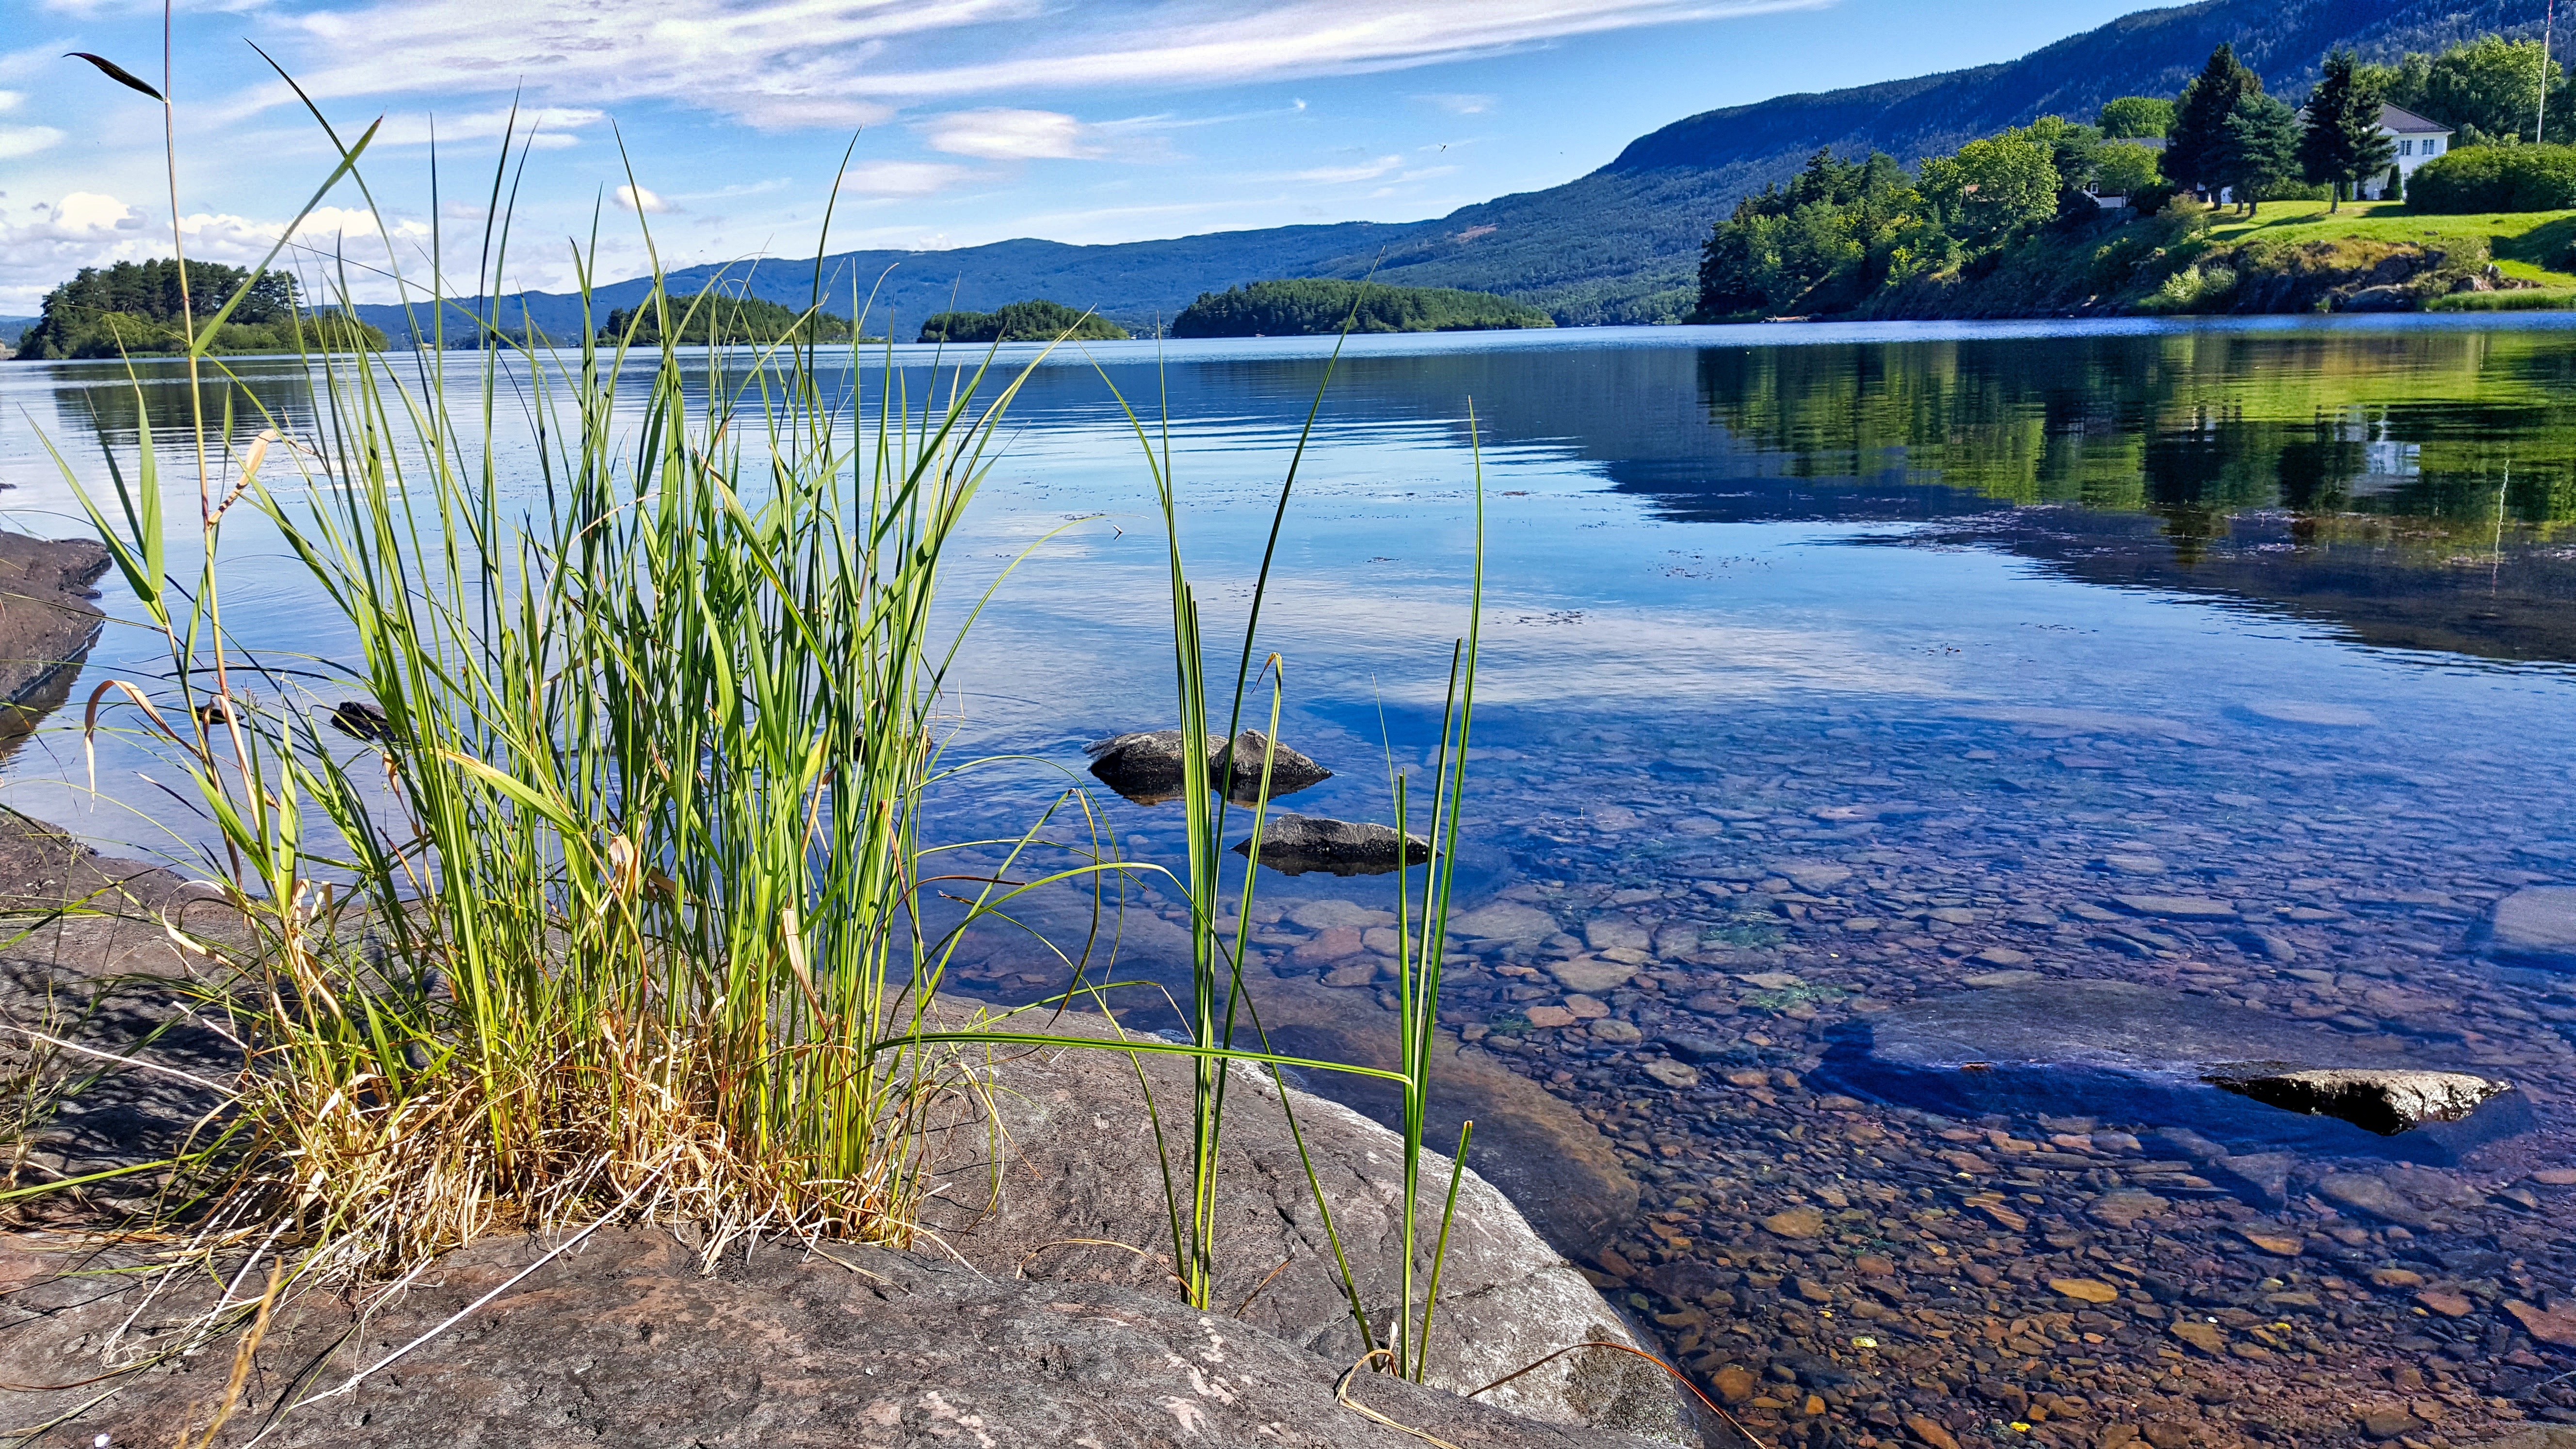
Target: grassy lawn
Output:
{"points": [[2533, 245]]}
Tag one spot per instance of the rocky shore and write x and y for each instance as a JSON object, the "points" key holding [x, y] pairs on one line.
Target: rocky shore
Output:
{"points": [[1016, 1318]]}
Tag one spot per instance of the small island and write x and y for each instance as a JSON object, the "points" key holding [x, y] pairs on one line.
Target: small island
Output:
{"points": [[133, 309], [1036, 320], [720, 319], [1318, 307]]}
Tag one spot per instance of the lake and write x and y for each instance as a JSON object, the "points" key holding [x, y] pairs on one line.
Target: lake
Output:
{"points": [[1828, 671]]}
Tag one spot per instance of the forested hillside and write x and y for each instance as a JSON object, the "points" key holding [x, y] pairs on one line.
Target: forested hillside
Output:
{"points": [[1622, 244]]}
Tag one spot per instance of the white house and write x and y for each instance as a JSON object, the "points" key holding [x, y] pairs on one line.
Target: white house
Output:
{"points": [[2417, 140]]}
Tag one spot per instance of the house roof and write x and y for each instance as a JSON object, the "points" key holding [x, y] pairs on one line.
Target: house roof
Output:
{"points": [[2407, 123]]}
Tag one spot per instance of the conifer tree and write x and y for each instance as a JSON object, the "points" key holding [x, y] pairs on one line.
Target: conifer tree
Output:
{"points": [[2342, 143], [2200, 118]]}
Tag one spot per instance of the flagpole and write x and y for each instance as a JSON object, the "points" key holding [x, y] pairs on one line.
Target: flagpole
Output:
{"points": [[2540, 113]]}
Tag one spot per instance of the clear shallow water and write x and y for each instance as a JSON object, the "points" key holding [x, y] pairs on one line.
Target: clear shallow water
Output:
{"points": [[2002, 621]]}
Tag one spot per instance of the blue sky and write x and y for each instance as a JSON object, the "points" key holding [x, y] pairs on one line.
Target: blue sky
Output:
{"points": [[977, 120]]}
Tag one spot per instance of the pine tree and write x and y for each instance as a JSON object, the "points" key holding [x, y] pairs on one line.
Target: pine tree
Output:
{"points": [[2200, 118], [2343, 143], [2258, 148]]}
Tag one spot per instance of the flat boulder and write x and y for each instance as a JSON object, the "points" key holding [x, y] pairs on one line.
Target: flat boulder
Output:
{"points": [[627, 1341], [2317, 714], [2537, 924], [1591, 974], [47, 622], [2176, 908], [1503, 921], [2133, 1053], [1147, 767], [1297, 844]]}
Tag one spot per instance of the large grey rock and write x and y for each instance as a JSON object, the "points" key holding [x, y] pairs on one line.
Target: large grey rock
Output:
{"points": [[2133, 1053], [2536, 923], [1080, 1163], [1297, 844], [1147, 767], [47, 622], [623, 1341], [1529, 1142]]}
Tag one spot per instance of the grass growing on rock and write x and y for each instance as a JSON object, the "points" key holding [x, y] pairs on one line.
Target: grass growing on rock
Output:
{"points": [[590, 889]]}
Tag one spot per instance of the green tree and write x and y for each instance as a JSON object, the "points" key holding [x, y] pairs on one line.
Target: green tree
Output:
{"points": [[1310, 307], [1036, 320], [1819, 244], [2121, 169], [2343, 144], [708, 320], [2135, 118], [1993, 185], [2258, 149], [134, 308], [2199, 130], [2486, 90], [2073, 148]]}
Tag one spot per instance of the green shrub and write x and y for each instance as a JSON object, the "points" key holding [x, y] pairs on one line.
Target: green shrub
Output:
{"points": [[2193, 289], [2496, 178]]}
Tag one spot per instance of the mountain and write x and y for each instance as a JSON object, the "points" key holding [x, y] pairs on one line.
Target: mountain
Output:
{"points": [[1621, 244], [12, 328]]}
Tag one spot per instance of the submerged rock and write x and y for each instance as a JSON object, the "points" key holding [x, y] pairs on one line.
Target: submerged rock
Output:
{"points": [[1296, 844], [1503, 921], [2141, 1054], [1146, 767], [2537, 923], [2384, 1101]]}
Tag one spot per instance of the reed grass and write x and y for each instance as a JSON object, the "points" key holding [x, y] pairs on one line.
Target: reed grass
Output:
{"points": [[590, 888]]}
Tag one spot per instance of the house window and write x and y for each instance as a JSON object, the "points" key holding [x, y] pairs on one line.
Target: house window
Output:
{"points": [[2405, 148], [2433, 146]]}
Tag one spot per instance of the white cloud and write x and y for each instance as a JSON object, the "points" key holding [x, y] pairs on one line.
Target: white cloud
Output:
{"points": [[91, 214], [327, 230], [637, 198], [1344, 175], [1002, 134], [43, 245], [27, 140], [903, 178], [839, 63], [1458, 103], [547, 127]]}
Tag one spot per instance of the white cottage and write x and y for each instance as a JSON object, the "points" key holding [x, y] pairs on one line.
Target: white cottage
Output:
{"points": [[2417, 141]]}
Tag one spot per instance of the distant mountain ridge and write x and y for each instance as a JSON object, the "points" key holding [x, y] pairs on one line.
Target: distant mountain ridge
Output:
{"points": [[1621, 244]]}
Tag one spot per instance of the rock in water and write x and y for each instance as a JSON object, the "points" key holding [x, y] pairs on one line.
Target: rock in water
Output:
{"points": [[2386, 1102], [1296, 844], [361, 719], [2138, 1053], [2538, 923], [1146, 767]]}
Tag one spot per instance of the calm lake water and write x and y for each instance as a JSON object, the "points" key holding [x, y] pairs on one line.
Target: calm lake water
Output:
{"points": [[1827, 668]]}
